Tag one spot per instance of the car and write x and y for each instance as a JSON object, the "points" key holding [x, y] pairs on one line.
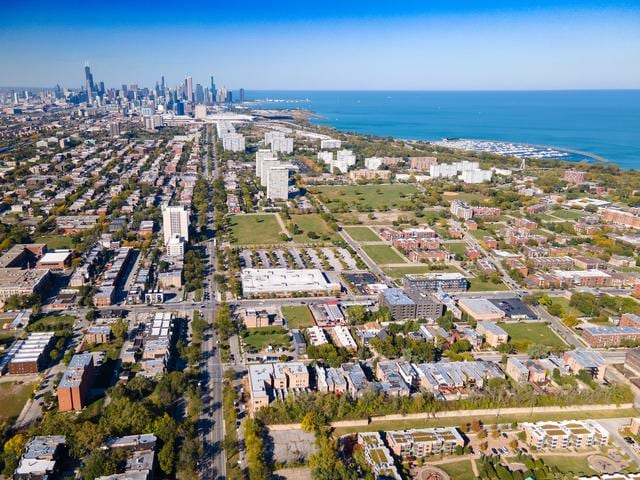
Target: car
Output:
{"points": [[629, 440], [495, 452]]}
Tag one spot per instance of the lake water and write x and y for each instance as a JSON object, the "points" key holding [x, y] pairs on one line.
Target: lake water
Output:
{"points": [[603, 122]]}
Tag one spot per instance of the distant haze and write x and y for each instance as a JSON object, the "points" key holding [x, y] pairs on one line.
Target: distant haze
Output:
{"points": [[423, 45]]}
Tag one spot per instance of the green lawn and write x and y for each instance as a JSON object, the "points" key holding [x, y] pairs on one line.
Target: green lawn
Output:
{"points": [[13, 397], [362, 234], [457, 248], [376, 197], [567, 214], [576, 465], [298, 316], [382, 254], [466, 197], [564, 303], [55, 242], [478, 285], [523, 334], [51, 323], [398, 272], [259, 338], [255, 229], [312, 223], [478, 234], [458, 470]]}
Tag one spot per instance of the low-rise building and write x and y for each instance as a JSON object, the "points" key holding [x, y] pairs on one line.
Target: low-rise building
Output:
{"points": [[565, 434], [493, 334], [74, 386], [275, 380], [378, 456], [281, 281], [424, 442]]}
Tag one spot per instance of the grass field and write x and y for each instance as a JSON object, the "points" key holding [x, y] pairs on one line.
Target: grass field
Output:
{"points": [[466, 197], [524, 334], [576, 465], [564, 303], [362, 234], [259, 338], [51, 322], [382, 254], [298, 316], [478, 234], [567, 214], [478, 285], [458, 470], [55, 241], [312, 223], [456, 247], [376, 197], [488, 420], [397, 272], [255, 229], [13, 397]]}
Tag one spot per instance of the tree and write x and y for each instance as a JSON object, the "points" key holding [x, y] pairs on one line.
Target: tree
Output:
{"points": [[536, 350]]}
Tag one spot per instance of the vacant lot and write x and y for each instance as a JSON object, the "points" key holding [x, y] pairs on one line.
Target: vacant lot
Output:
{"points": [[397, 272], [55, 241], [375, 197], [260, 338], [13, 397], [362, 234], [478, 285], [457, 248], [564, 303], [312, 223], [298, 316], [255, 229], [51, 323], [382, 254], [567, 214], [458, 470], [576, 465], [525, 334]]}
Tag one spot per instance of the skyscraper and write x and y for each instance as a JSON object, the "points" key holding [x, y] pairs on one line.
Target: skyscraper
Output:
{"points": [[241, 95], [88, 79], [188, 88], [213, 91], [199, 94], [163, 91]]}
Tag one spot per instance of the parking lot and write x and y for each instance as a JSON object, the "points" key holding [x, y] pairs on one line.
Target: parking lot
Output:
{"points": [[326, 258]]}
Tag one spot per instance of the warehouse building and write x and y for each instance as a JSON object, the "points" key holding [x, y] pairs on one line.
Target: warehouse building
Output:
{"points": [[281, 281]]}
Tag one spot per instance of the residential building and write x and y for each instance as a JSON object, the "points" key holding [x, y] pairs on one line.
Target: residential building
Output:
{"points": [[565, 434], [493, 334], [74, 386], [175, 221], [424, 442]]}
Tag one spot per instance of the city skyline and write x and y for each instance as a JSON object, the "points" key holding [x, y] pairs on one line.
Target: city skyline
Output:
{"points": [[496, 46]]}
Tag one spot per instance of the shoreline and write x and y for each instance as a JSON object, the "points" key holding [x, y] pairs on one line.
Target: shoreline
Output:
{"points": [[313, 117]]}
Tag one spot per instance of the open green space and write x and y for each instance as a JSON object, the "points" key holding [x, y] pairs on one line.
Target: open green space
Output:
{"points": [[6, 338], [375, 197], [564, 303], [487, 420], [51, 323], [55, 242], [478, 234], [457, 248], [260, 338], [298, 316], [459, 470], [466, 197], [362, 234], [398, 272], [546, 218], [382, 254], [569, 464], [524, 334], [314, 224], [567, 214], [255, 229], [13, 397], [478, 285]]}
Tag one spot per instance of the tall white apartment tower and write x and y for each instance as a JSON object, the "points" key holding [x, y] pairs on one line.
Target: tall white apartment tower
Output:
{"points": [[175, 221], [278, 182]]}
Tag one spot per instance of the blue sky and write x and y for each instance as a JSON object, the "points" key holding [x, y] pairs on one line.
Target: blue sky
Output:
{"points": [[439, 45]]}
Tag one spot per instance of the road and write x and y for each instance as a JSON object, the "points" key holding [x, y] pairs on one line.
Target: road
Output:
{"points": [[613, 425], [214, 468], [373, 266]]}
